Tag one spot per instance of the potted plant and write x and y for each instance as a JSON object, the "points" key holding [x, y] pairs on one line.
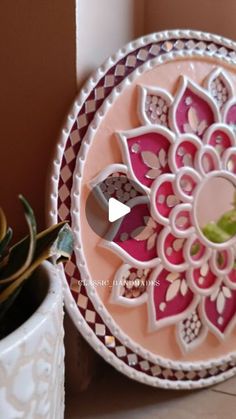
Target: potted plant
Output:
{"points": [[31, 320]]}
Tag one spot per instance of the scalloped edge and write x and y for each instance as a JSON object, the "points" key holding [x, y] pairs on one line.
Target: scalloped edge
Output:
{"points": [[154, 324], [116, 298], [143, 91], [186, 348], [184, 83]]}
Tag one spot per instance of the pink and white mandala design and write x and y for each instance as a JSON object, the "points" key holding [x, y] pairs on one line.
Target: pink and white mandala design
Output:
{"points": [[168, 264]]}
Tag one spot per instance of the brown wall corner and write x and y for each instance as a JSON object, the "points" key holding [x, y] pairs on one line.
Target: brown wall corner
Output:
{"points": [[37, 87]]}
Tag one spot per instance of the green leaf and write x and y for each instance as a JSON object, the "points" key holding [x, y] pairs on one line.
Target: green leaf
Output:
{"points": [[215, 234], [21, 255], [47, 245], [220, 260], [228, 222], [195, 249], [5, 242], [64, 244]]}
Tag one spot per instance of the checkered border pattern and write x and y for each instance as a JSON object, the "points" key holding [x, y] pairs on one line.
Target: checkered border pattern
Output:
{"points": [[105, 85]]}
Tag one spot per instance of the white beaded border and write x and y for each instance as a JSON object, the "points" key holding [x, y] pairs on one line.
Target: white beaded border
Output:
{"points": [[53, 188], [76, 191]]}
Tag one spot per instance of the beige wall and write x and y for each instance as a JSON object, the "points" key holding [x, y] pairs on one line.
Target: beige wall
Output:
{"points": [[104, 26], [37, 85]]}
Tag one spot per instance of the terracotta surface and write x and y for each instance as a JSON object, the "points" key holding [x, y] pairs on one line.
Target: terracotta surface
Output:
{"points": [[37, 85]]}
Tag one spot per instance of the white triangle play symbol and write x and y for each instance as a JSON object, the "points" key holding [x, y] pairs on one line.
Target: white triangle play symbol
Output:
{"points": [[116, 210]]}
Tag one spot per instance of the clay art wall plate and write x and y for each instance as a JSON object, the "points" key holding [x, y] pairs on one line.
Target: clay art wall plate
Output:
{"points": [[155, 292]]}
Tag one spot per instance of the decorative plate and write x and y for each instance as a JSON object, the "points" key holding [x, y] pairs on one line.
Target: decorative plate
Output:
{"points": [[155, 294]]}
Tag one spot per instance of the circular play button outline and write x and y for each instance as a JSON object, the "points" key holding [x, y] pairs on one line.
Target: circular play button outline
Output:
{"points": [[109, 201]]}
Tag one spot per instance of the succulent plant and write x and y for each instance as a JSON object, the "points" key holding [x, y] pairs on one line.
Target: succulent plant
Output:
{"points": [[18, 262]]}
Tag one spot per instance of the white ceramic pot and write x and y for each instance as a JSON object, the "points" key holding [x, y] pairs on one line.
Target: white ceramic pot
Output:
{"points": [[32, 357]]}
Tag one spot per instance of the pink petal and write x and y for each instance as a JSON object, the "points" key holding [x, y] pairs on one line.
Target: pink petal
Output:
{"points": [[196, 253], [163, 198], [171, 249], [208, 159], [165, 306], [150, 222], [203, 279], [145, 151], [220, 318], [152, 241], [137, 249], [222, 261], [230, 116], [142, 233], [150, 159], [185, 154], [231, 278], [193, 109], [229, 160], [180, 220], [220, 138], [186, 181]]}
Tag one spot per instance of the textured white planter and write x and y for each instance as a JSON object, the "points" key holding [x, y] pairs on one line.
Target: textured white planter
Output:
{"points": [[32, 357]]}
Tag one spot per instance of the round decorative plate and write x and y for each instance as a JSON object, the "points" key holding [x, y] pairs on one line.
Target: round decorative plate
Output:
{"points": [[154, 292]]}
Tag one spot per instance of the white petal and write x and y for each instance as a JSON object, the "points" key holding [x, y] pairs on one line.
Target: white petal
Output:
{"points": [[204, 269], [220, 302], [201, 127], [142, 233], [172, 276], [151, 241], [188, 160], [188, 129], [173, 290], [153, 173], [149, 221], [193, 119], [172, 200], [181, 221], [214, 295], [227, 292], [183, 288], [178, 244], [162, 157], [150, 159]]}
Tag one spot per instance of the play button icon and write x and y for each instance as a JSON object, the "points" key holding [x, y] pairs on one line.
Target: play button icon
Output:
{"points": [[108, 201], [116, 210]]}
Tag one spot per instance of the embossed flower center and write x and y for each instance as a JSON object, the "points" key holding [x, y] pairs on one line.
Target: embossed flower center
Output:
{"points": [[179, 237]]}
